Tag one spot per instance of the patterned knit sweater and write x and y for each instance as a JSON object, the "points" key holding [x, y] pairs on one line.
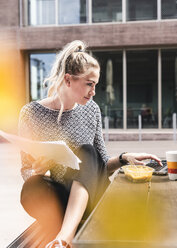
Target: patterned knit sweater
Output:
{"points": [[78, 126]]}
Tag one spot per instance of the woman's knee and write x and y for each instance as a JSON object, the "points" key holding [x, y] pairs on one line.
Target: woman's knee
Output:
{"points": [[87, 150], [39, 193], [32, 190], [87, 147]]}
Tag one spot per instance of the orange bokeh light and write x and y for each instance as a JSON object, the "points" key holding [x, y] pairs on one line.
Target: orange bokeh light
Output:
{"points": [[12, 85]]}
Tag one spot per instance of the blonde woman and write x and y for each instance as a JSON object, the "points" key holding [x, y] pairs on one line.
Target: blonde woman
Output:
{"points": [[62, 200]]}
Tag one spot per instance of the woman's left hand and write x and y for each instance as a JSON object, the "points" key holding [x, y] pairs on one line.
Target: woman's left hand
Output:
{"points": [[136, 158], [42, 165]]}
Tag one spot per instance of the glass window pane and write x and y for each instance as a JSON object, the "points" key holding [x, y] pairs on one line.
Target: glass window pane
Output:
{"points": [[169, 86], [109, 89], [142, 82], [141, 10], [106, 11], [72, 12], [40, 66], [169, 9], [41, 12]]}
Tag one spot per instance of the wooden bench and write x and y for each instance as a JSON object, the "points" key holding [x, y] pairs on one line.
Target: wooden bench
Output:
{"points": [[133, 215]]}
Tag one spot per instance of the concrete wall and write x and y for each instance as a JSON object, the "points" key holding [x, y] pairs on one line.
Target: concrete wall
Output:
{"points": [[9, 13], [114, 36]]}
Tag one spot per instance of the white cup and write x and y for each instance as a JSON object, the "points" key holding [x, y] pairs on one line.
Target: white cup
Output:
{"points": [[171, 157]]}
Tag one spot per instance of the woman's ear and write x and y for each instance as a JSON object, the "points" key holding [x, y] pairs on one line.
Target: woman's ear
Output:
{"points": [[67, 79]]}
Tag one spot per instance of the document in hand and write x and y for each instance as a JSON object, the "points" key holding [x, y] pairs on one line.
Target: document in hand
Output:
{"points": [[56, 150]]}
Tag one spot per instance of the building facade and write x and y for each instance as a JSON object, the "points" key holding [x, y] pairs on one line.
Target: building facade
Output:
{"points": [[135, 42]]}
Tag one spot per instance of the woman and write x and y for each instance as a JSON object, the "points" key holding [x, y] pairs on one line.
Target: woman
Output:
{"points": [[62, 200]]}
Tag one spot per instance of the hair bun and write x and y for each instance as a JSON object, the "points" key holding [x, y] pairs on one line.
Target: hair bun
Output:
{"points": [[80, 49]]}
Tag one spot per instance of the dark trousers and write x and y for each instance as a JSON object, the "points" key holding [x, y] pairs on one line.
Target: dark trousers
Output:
{"points": [[46, 200]]}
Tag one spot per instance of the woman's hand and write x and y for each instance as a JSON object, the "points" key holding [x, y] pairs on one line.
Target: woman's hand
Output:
{"points": [[136, 158], [42, 165]]}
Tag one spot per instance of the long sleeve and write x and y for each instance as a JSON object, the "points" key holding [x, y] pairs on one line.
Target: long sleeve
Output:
{"points": [[81, 125], [24, 130], [99, 141]]}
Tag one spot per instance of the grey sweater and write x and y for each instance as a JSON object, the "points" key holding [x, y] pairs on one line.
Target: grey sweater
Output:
{"points": [[78, 126]]}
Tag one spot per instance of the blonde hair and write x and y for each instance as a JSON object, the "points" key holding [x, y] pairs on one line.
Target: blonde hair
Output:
{"points": [[73, 59]]}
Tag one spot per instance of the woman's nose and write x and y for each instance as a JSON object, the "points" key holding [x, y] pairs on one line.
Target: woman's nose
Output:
{"points": [[93, 92]]}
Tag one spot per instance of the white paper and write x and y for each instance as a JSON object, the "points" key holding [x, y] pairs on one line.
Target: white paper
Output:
{"points": [[56, 150]]}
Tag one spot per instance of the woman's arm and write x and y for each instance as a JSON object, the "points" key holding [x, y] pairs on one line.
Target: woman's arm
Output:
{"points": [[25, 130], [26, 162], [30, 166], [113, 164], [131, 158], [41, 165], [99, 143]]}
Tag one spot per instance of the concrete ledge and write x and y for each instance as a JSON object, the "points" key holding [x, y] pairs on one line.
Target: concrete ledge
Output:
{"points": [[133, 135]]}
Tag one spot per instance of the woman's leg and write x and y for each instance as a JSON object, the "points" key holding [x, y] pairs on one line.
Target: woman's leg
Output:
{"points": [[77, 204], [41, 199], [84, 190], [42, 203]]}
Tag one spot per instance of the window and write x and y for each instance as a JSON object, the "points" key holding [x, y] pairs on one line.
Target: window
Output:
{"points": [[106, 11], [66, 12], [44, 12], [72, 12], [169, 9], [169, 86], [142, 85], [142, 88], [141, 10], [109, 89], [40, 66], [41, 12]]}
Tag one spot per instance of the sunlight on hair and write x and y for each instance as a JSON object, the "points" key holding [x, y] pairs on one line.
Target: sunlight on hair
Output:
{"points": [[11, 86], [72, 59]]}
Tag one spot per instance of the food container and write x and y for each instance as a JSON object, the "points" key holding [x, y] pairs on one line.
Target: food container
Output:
{"points": [[138, 173]]}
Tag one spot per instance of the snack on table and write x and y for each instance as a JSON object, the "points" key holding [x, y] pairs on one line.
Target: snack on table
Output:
{"points": [[138, 173]]}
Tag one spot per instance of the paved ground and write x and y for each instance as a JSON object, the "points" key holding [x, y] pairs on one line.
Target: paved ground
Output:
{"points": [[13, 218]]}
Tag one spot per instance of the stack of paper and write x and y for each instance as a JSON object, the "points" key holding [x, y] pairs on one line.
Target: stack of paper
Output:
{"points": [[56, 150]]}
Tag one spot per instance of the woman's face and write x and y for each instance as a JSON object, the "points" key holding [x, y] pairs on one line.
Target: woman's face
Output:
{"points": [[83, 88]]}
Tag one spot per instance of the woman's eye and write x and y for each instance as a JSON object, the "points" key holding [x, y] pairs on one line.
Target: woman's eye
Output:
{"points": [[89, 84]]}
